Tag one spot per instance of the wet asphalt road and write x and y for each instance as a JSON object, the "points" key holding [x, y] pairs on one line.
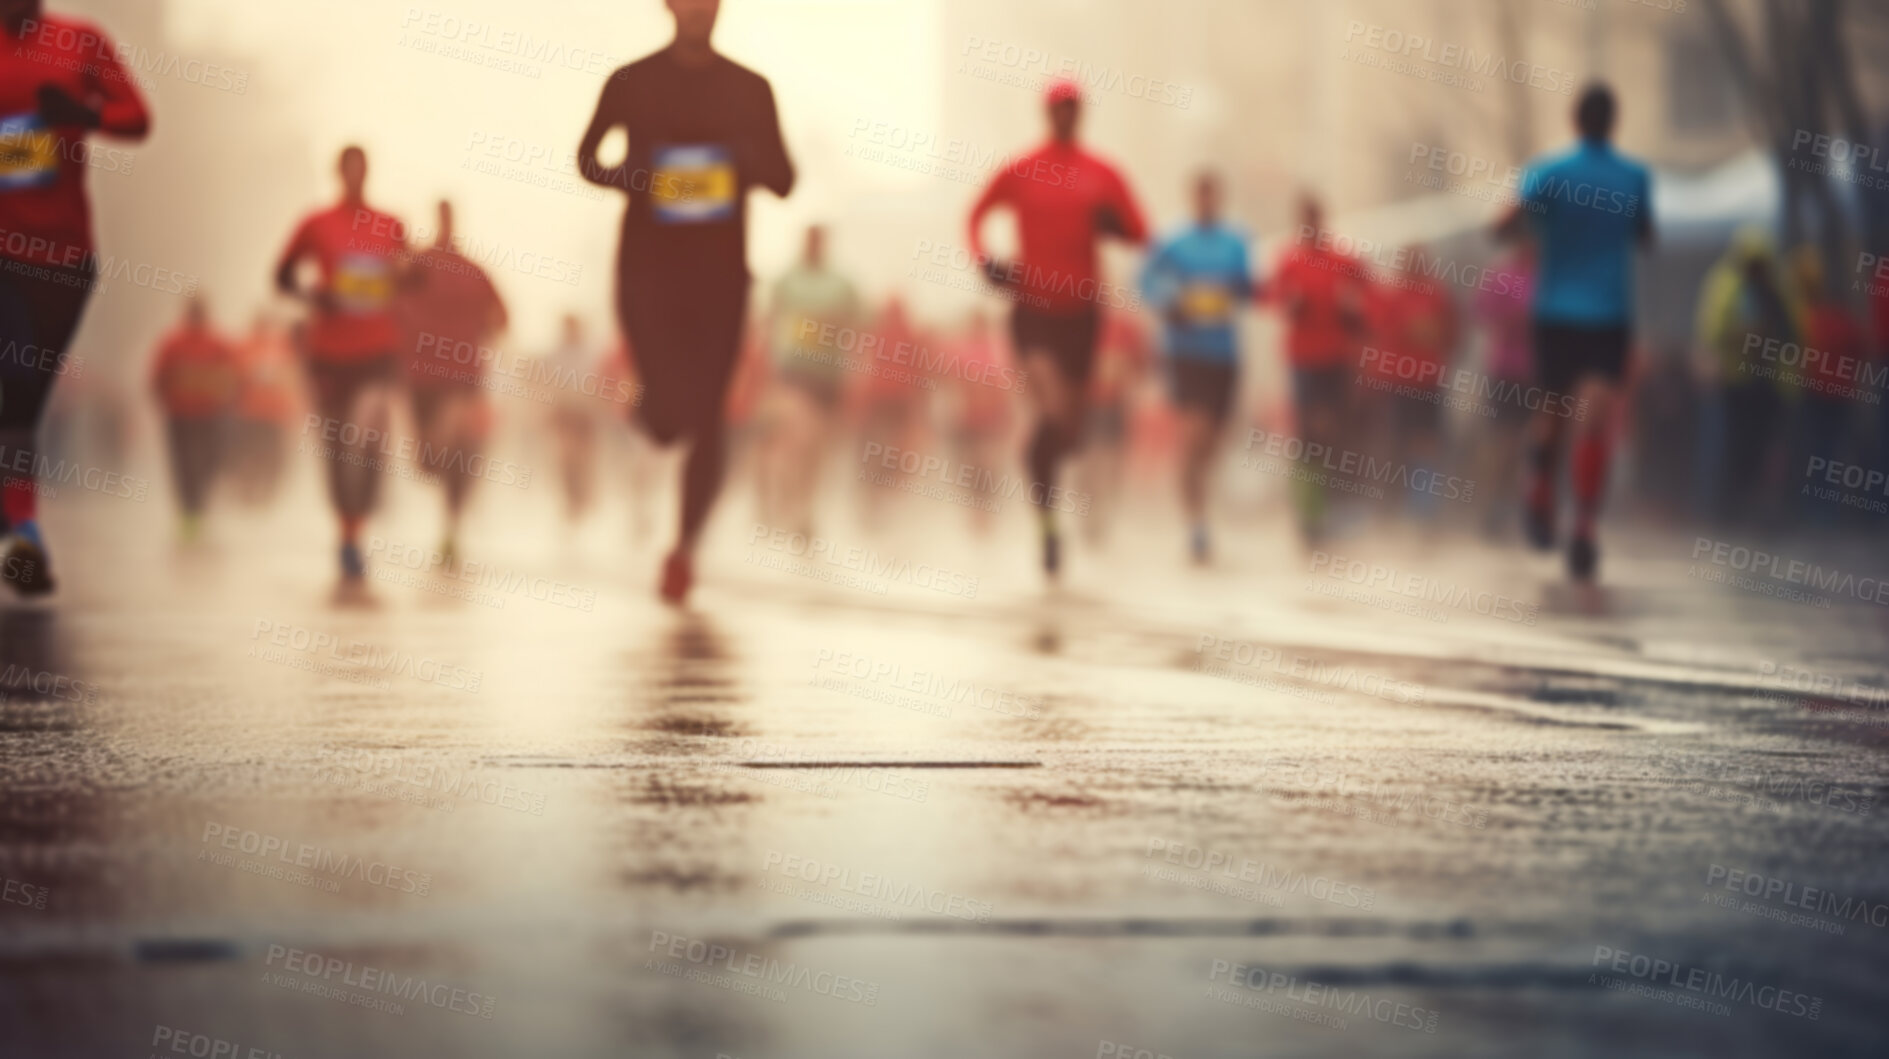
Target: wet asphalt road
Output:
{"points": [[1202, 814]]}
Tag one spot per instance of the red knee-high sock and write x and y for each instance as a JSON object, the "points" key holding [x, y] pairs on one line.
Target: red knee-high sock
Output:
{"points": [[18, 500], [1591, 454]]}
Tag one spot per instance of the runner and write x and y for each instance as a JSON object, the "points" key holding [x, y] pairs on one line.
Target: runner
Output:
{"points": [[1502, 306], [197, 376], [60, 81], [350, 343], [980, 416], [1065, 200], [1825, 412], [1197, 280], [1122, 359], [702, 131], [890, 396], [574, 418], [810, 303], [1418, 328], [1588, 208], [1325, 296], [264, 410], [1743, 298], [450, 313]]}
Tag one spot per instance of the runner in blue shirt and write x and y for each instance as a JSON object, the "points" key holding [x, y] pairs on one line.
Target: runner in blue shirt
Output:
{"points": [[1589, 210], [1196, 279]]}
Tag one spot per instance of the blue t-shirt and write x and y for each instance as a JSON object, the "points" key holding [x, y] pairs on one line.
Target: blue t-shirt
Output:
{"points": [[1587, 208], [1197, 278]]}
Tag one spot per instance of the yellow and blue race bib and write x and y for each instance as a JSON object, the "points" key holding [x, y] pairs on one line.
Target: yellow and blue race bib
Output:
{"points": [[692, 184], [1204, 304], [363, 284], [29, 153]]}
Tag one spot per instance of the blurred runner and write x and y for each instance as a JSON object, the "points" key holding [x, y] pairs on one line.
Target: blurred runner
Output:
{"points": [[1503, 305], [1418, 331], [197, 377], [702, 132], [450, 313], [809, 304], [1197, 280], [350, 344], [264, 409], [574, 418], [60, 81], [1742, 299], [1065, 201], [1325, 297], [1830, 392], [1122, 357], [980, 416], [1588, 208], [891, 399]]}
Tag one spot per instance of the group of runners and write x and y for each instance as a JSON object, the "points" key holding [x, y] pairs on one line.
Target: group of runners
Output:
{"points": [[384, 317]]}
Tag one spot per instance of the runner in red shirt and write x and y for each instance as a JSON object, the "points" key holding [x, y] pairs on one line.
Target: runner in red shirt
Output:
{"points": [[60, 81], [267, 404], [1065, 200], [350, 344], [197, 376], [1325, 297], [1418, 332], [449, 310]]}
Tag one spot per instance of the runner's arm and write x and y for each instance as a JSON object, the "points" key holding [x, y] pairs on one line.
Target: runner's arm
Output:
{"points": [[1129, 224], [1643, 219], [609, 105], [996, 194], [292, 255], [121, 108], [770, 167]]}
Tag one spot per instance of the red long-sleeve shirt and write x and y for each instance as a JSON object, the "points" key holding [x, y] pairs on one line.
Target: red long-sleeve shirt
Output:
{"points": [[45, 218], [1055, 192]]}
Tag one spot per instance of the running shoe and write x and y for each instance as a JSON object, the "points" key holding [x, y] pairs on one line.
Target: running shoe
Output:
{"points": [[1052, 553], [1583, 558], [24, 565], [678, 576], [353, 564], [1538, 524]]}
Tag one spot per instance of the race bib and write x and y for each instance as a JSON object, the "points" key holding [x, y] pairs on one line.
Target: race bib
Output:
{"points": [[29, 153], [1204, 304], [363, 283], [692, 184]]}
